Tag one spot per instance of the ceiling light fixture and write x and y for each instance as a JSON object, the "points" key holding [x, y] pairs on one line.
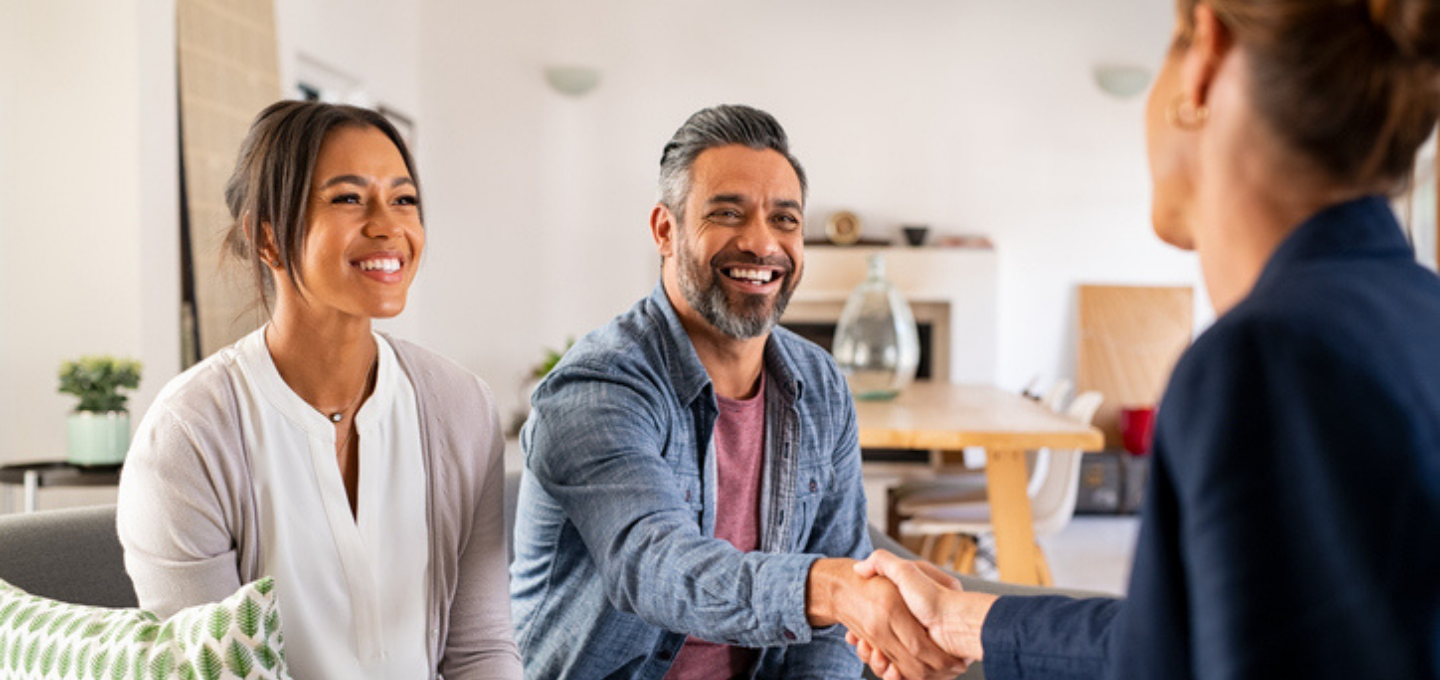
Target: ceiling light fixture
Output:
{"points": [[1122, 82], [572, 81]]}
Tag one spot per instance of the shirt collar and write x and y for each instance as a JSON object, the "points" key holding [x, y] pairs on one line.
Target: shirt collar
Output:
{"points": [[688, 375], [260, 367], [1362, 228]]}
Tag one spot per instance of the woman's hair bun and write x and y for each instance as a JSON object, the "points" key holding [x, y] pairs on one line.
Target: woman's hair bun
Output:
{"points": [[1414, 25]]}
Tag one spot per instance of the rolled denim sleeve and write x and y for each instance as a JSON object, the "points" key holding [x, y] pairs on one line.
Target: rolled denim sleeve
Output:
{"points": [[595, 444]]}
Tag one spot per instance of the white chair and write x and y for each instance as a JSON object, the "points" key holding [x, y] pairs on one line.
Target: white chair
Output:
{"points": [[1053, 489], [1054, 398]]}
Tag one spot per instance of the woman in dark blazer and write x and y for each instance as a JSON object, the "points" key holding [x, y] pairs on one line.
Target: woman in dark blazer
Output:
{"points": [[1292, 526]]}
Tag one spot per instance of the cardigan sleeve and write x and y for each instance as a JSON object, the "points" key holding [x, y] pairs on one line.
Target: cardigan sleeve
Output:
{"points": [[176, 532], [479, 643], [471, 637]]}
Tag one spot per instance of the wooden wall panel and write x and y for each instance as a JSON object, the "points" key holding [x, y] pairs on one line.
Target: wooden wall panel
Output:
{"points": [[228, 72], [1130, 338]]}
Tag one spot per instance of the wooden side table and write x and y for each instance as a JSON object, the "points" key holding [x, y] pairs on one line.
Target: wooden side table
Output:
{"points": [[35, 476]]}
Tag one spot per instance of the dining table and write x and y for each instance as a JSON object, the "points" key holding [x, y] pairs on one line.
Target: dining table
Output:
{"points": [[946, 418]]}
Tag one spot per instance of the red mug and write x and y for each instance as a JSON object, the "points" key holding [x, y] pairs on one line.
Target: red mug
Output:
{"points": [[1137, 427]]}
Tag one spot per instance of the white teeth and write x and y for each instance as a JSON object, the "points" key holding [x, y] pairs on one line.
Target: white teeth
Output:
{"points": [[385, 264], [756, 275]]}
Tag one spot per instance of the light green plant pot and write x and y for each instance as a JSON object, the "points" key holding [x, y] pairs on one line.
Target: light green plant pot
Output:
{"points": [[98, 438]]}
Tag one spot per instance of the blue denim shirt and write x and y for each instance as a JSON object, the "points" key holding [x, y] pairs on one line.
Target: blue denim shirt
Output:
{"points": [[616, 559]]}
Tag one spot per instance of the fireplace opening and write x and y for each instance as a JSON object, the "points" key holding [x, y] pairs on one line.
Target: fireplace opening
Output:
{"points": [[823, 334]]}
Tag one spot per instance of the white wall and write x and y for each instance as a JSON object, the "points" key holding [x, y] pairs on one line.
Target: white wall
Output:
{"points": [[374, 41], [972, 117], [89, 219]]}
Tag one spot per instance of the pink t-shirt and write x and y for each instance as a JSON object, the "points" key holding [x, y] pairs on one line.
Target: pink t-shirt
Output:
{"points": [[739, 459]]}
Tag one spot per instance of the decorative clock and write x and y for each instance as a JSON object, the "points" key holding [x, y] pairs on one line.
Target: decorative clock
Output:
{"points": [[843, 228]]}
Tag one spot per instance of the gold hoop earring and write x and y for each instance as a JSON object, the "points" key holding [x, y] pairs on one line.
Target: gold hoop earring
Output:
{"points": [[1185, 115]]}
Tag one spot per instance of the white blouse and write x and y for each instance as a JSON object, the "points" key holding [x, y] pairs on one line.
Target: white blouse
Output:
{"points": [[351, 589]]}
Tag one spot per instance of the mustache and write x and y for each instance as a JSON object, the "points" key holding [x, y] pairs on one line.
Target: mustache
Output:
{"points": [[735, 257]]}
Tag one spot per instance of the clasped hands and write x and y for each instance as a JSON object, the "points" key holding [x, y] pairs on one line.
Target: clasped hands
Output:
{"points": [[909, 620]]}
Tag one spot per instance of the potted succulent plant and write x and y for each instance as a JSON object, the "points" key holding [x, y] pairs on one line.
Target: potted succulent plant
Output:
{"points": [[98, 432]]}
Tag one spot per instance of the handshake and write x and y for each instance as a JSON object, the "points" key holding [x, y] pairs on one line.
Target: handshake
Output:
{"points": [[906, 620]]}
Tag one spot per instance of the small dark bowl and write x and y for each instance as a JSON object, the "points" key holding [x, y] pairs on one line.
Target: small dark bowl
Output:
{"points": [[915, 235]]}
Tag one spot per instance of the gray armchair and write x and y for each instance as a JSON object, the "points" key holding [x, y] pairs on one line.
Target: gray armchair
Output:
{"points": [[68, 555]]}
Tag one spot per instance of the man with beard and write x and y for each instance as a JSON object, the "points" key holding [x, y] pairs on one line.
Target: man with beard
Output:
{"points": [[692, 498]]}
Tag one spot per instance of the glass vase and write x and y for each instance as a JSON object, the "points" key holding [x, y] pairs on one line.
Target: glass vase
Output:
{"points": [[876, 342]]}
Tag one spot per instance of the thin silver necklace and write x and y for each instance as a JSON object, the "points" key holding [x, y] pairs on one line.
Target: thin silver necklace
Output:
{"points": [[338, 416]]}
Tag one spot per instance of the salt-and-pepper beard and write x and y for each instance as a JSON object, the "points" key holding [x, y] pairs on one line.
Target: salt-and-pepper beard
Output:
{"points": [[707, 296]]}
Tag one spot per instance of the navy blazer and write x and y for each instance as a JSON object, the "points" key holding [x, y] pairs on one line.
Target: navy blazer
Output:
{"points": [[1292, 523]]}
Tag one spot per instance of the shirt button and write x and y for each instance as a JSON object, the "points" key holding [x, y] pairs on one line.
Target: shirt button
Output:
{"points": [[789, 635]]}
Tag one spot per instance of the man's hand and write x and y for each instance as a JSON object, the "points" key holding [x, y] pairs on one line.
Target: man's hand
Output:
{"points": [[953, 617], [874, 612]]}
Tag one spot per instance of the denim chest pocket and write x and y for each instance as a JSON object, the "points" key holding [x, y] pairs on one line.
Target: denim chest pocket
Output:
{"points": [[811, 486], [687, 476], [687, 486]]}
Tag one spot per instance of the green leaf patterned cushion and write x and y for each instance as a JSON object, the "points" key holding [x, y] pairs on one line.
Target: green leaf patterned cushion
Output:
{"points": [[43, 639]]}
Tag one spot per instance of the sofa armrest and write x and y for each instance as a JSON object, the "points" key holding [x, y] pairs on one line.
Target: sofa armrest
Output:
{"points": [[70, 555]]}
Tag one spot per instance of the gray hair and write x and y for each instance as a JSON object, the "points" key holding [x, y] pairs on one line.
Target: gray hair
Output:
{"points": [[713, 127]]}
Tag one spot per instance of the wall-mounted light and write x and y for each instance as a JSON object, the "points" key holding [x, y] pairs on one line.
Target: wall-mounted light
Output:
{"points": [[1122, 82], [572, 81]]}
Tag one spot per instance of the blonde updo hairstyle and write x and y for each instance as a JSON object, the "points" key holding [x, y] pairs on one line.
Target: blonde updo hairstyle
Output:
{"points": [[1351, 85]]}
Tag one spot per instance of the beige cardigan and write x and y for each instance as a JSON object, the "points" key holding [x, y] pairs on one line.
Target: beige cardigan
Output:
{"points": [[186, 513]]}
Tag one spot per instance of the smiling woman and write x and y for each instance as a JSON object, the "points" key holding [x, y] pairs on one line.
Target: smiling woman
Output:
{"points": [[363, 227], [250, 457]]}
